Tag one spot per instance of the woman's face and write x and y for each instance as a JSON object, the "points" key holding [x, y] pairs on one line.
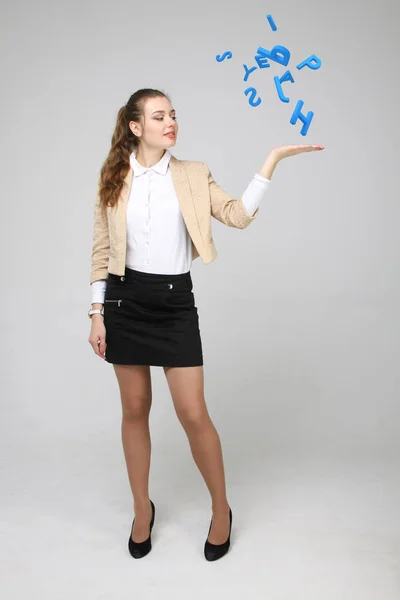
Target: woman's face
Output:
{"points": [[160, 119]]}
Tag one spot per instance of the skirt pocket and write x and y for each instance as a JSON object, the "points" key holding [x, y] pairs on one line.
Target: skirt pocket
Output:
{"points": [[108, 300], [180, 299], [112, 311]]}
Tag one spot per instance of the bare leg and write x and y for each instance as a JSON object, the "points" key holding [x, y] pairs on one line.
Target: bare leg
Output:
{"points": [[136, 398], [186, 385]]}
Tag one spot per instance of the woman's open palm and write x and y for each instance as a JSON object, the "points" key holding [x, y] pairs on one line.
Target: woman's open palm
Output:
{"points": [[284, 151]]}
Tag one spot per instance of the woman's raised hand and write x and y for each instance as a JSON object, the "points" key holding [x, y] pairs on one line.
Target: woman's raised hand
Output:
{"points": [[284, 151]]}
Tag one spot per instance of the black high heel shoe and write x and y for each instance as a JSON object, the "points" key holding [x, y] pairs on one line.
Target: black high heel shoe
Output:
{"points": [[140, 549], [215, 551]]}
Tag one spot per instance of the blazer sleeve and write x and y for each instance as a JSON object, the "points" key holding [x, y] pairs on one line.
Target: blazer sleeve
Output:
{"points": [[101, 242], [225, 209]]}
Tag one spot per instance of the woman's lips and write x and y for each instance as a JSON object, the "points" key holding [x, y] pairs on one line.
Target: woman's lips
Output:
{"points": [[171, 135]]}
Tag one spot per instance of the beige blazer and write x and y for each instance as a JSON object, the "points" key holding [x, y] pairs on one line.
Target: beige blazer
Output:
{"points": [[199, 198]]}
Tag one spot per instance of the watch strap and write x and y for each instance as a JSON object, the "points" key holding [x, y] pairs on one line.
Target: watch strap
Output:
{"points": [[95, 311]]}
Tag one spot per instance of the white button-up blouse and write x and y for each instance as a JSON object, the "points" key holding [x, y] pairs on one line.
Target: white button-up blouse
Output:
{"points": [[155, 222]]}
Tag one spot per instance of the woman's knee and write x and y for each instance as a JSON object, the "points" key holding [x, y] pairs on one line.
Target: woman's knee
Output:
{"points": [[194, 418], [135, 406]]}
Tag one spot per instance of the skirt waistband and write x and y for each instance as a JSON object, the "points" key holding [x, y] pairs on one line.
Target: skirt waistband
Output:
{"points": [[162, 279]]}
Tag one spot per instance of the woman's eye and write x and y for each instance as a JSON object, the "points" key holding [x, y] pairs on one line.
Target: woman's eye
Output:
{"points": [[161, 118]]}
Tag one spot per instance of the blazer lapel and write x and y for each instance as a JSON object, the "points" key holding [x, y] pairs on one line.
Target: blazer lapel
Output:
{"points": [[186, 198]]}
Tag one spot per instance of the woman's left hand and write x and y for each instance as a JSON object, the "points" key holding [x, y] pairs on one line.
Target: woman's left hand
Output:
{"points": [[283, 151]]}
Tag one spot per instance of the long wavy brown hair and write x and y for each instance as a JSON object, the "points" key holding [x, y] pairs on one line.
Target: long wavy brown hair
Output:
{"points": [[123, 142]]}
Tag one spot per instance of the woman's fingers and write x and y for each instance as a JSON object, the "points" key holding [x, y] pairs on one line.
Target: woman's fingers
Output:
{"points": [[303, 148], [99, 345], [102, 346], [315, 147], [284, 151]]}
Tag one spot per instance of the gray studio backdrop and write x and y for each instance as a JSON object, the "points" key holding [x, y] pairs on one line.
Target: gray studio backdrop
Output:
{"points": [[299, 313]]}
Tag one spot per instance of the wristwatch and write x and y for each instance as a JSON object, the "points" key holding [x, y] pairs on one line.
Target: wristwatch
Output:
{"points": [[95, 311]]}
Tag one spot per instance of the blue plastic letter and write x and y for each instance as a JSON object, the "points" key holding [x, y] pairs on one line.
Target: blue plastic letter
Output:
{"points": [[227, 54], [253, 92], [262, 61], [279, 54], [287, 76], [248, 71], [271, 22], [312, 61], [306, 120]]}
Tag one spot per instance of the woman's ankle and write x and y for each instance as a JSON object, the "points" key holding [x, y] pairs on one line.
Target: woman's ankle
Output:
{"points": [[142, 503], [220, 508]]}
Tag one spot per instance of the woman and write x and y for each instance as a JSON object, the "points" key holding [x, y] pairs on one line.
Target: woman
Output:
{"points": [[152, 218]]}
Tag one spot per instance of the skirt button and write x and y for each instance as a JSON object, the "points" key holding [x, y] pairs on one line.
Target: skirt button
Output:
{"points": [[122, 278]]}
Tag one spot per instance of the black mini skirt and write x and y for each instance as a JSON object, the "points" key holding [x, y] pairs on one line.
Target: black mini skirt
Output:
{"points": [[151, 319]]}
